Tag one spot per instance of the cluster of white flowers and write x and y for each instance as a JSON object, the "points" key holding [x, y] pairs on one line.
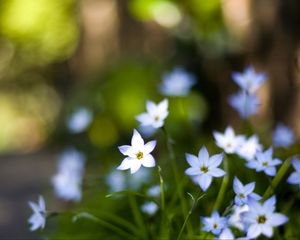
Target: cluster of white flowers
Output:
{"points": [[249, 212]]}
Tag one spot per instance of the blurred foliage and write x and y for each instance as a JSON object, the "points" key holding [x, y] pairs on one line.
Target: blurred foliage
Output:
{"points": [[42, 30]]}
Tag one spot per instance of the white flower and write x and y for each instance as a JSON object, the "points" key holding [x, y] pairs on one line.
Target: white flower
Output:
{"points": [[214, 224], [261, 218], [228, 141], [294, 178], [155, 115], [38, 218], [67, 180], [177, 83], [79, 120], [283, 136], [249, 80], [264, 162], [248, 149], [243, 192], [138, 154], [204, 168], [235, 218], [149, 208]]}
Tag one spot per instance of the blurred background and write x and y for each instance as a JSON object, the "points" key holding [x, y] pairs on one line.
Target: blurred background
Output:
{"points": [[57, 56]]}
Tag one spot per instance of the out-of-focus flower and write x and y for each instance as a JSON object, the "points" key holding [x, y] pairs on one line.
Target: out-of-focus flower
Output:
{"points": [[79, 120], [138, 154], [263, 161], [249, 80], [261, 218], [116, 181], [149, 208], [283, 136], [243, 192], [204, 168], [67, 181], [228, 141], [235, 219], [214, 224], [140, 178], [177, 83], [154, 191], [248, 149], [38, 218], [244, 103], [294, 178], [155, 115]]}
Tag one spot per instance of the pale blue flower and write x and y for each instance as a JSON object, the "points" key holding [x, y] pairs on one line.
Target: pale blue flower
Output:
{"points": [[261, 218], [263, 161], [243, 192], [155, 115], [249, 147], [38, 218], [226, 234], [177, 83], [79, 120], [228, 141], [67, 181], [249, 80], [154, 191], [214, 224], [204, 168], [149, 208], [244, 103], [294, 178], [283, 136], [138, 154], [235, 218], [116, 181]]}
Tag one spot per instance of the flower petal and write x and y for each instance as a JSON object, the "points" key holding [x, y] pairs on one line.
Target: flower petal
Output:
{"points": [[148, 161], [203, 155], [144, 118], [135, 166], [216, 172], [192, 160], [271, 171], [267, 230], [205, 181], [296, 164], [253, 231], [137, 140], [278, 219], [124, 149], [126, 164], [149, 146], [192, 171], [215, 160], [294, 178]]}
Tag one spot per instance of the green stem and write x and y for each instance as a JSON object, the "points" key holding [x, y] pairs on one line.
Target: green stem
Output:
{"points": [[138, 218], [189, 213], [223, 186], [280, 174], [104, 224], [176, 176], [162, 189]]}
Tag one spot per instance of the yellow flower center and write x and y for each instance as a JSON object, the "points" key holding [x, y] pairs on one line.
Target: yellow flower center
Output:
{"points": [[139, 155], [265, 164], [156, 118], [204, 169], [261, 219], [215, 226], [242, 195]]}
